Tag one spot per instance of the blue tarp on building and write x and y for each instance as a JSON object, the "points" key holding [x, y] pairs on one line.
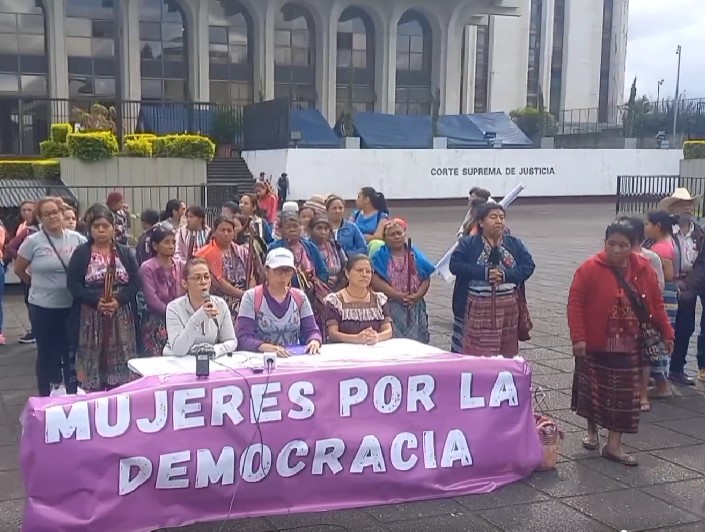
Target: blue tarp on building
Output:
{"points": [[377, 130], [173, 118], [314, 129]]}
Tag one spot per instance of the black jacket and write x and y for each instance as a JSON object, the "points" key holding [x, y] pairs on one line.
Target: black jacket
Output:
{"points": [[83, 295]]}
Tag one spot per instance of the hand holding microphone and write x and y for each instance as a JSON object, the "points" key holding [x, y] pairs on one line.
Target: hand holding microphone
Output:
{"points": [[209, 307]]}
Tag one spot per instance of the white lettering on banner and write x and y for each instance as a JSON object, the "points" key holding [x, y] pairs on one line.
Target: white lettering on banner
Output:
{"points": [[421, 388], [387, 394], [161, 414], [102, 416], [182, 408], [260, 403], [352, 392], [255, 463], [466, 398], [504, 389], [226, 402], [58, 423], [210, 471], [298, 395]]}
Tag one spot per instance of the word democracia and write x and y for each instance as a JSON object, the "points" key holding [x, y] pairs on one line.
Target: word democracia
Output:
{"points": [[453, 171]]}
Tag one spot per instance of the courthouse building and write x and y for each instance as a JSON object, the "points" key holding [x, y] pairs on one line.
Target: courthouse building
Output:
{"points": [[375, 55]]}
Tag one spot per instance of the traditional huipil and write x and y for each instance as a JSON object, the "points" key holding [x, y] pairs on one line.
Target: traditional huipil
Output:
{"points": [[114, 336], [405, 274], [189, 242], [160, 286], [352, 317], [330, 251], [226, 265]]}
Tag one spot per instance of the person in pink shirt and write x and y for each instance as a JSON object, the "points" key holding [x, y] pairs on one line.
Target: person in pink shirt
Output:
{"points": [[267, 201]]}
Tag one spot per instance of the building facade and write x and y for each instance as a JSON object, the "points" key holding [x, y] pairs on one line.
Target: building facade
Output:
{"points": [[372, 55]]}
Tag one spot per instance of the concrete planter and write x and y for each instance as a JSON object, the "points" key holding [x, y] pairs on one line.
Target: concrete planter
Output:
{"points": [[693, 168], [351, 143], [440, 143], [547, 143]]}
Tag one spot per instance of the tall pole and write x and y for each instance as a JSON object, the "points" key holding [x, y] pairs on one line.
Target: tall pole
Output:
{"points": [[675, 100]]}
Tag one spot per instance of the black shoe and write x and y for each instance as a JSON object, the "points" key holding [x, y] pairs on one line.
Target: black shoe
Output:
{"points": [[681, 378], [27, 338]]}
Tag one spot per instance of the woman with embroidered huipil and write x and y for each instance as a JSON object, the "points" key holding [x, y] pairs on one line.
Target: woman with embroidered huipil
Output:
{"points": [[404, 276], [194, 235], [274, 317], [161, 284], [103, 327], [356, 314], [227, 261]]}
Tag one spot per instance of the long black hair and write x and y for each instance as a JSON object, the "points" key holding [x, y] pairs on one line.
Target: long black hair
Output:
{"points": [[636, 223], [96, 212], [664, 220], [379, 202], [171, 206]]}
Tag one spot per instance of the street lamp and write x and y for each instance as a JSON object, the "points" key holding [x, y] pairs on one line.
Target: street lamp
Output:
{"points": [[658, 92], [675, 100]]}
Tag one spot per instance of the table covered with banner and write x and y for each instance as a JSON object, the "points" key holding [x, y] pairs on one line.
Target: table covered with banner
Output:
{"points": [[354, 427]]}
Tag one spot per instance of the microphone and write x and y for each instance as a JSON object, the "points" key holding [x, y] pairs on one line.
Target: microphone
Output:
{"points": [[207, 299]]}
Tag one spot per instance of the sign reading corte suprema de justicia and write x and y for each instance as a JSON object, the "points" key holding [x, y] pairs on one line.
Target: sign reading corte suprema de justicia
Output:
{"points": [[452, 171]]}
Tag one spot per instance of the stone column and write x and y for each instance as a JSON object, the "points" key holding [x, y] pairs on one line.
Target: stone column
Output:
{"points": [[467, 98], [546, 50], [57, 61]]}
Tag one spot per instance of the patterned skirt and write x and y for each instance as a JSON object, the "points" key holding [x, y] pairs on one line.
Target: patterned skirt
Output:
{"points": [[670, 301], [606, 390], [456, 341], [120, 347], [488, 333], [154, 336], [410, 322]]}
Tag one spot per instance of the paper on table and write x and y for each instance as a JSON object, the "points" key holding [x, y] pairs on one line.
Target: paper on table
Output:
{"points": [[443, 266]]}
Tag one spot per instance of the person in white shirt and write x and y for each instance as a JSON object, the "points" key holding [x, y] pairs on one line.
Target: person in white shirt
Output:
{"points": [[190, 320]]}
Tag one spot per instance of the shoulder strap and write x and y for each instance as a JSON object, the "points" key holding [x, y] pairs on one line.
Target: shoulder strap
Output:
{"points": [[259, 297], [638, 306], [297, 296], [63, 264]]}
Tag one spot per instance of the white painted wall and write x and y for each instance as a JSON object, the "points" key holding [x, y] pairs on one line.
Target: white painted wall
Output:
{"points": [[414, 174]]}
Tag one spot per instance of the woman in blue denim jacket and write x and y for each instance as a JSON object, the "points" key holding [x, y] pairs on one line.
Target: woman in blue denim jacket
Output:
{"points": [[347, 234]]}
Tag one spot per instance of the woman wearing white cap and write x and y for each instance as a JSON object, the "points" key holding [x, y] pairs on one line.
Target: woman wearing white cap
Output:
{"points": [[275, 317]]}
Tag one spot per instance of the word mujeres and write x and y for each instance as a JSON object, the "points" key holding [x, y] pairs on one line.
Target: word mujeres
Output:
{"points": [[453, 171]]}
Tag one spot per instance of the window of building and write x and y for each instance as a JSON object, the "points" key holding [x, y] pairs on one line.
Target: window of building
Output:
{"points": [[413, 70], [482, 69], [557, 60], [163, 51], [91, 46], [355, 73], [294, 56], [533, 81], [229, 53], [23, 56]]}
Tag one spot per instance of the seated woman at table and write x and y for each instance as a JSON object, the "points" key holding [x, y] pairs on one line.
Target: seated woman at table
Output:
{"points": [[161, 284], [192, 319], [356, 314], [275, 316]]}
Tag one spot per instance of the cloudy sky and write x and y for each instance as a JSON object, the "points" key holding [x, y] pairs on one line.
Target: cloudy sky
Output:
{"points": [[656, 28]]}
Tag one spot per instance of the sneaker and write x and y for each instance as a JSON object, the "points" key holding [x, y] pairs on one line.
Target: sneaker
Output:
{"points": [[2, 339], [701, 375], [57, 390], [681, 378], [27, 338]]}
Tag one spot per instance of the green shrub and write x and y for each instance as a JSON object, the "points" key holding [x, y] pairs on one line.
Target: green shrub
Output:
{"points": [[93, 146], [133, 136], [694, 149], [29, 169], [53, 149], [138, 147], [59, 132], [185, 147]]}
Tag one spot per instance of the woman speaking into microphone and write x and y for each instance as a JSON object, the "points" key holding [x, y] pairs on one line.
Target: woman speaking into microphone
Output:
{"points": [[197, 317]]}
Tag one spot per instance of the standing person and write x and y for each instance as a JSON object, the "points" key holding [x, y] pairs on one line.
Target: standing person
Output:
{"points": [[249, 207], [104, 330], [194, 235], [404, 276], [230, 209], [172, 215], [322, 236], [161, 283], [150, 223], [371, 214], [613, 296], [488, 299], [121, 213], [288, 207], [282, 188], [689, 241], [47, 254], [29, 226], [267, 201], [69, 216], [228, 261], [479, 193], [346, 233], [658, 230]]}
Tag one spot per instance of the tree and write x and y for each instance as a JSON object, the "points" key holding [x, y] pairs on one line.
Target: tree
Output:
{"points": [[634, 113], [535, 123]]}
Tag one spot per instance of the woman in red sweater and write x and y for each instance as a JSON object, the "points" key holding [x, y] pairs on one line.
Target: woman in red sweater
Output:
{"points": [[267, 201], [610, 292]]}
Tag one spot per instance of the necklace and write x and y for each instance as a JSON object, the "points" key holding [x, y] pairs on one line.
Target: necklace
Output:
{"points": [[351, 296]]}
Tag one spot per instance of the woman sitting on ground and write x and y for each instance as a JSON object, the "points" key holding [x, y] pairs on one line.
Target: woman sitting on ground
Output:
{"points": [[192, 320], [356, 314], [613, 294], [275, 317], [161, 284], [404, 276]]}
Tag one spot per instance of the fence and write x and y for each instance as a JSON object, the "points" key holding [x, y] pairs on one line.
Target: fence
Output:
{"points": [[137, 197], [641, 194]]}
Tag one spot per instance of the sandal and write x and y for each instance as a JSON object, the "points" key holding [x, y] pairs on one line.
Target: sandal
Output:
{"points": [[626, 460], [591, 445], [653, 394], [645, 407]]}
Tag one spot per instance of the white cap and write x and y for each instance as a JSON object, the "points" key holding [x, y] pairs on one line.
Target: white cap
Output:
{"points": [[290, 206], [280, 258]]}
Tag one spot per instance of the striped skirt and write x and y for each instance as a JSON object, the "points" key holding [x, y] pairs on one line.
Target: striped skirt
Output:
{"points": [[606, 390], [488, 333], [670, 301]]}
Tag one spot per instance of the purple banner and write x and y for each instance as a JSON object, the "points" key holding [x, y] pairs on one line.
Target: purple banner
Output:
{"points": [[165, 452]]}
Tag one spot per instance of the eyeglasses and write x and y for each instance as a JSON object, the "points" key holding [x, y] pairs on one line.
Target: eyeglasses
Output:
{"points": [[201, 277], [47, 214]]}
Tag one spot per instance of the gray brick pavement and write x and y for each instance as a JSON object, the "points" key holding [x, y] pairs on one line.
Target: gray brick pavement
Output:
{"points": [[585, 493]]}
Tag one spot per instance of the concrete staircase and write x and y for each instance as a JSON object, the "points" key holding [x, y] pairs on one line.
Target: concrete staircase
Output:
{"points": [[227, 178]]}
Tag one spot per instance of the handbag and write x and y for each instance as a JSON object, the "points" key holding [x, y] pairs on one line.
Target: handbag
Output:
{"points": [[650, 340], [525, 323]]}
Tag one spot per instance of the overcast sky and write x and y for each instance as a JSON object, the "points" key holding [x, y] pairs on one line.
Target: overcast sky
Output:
{"points": [[656, 28]]}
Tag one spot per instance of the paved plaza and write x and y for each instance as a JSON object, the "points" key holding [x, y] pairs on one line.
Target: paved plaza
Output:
{"points": [[585, 493]]}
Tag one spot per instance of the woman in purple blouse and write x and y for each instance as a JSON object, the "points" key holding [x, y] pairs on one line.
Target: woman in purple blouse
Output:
{"points": [[160, 277], [275, 317]]}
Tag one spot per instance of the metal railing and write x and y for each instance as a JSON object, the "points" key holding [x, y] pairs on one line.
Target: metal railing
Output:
{"points": [[641, 194]]}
